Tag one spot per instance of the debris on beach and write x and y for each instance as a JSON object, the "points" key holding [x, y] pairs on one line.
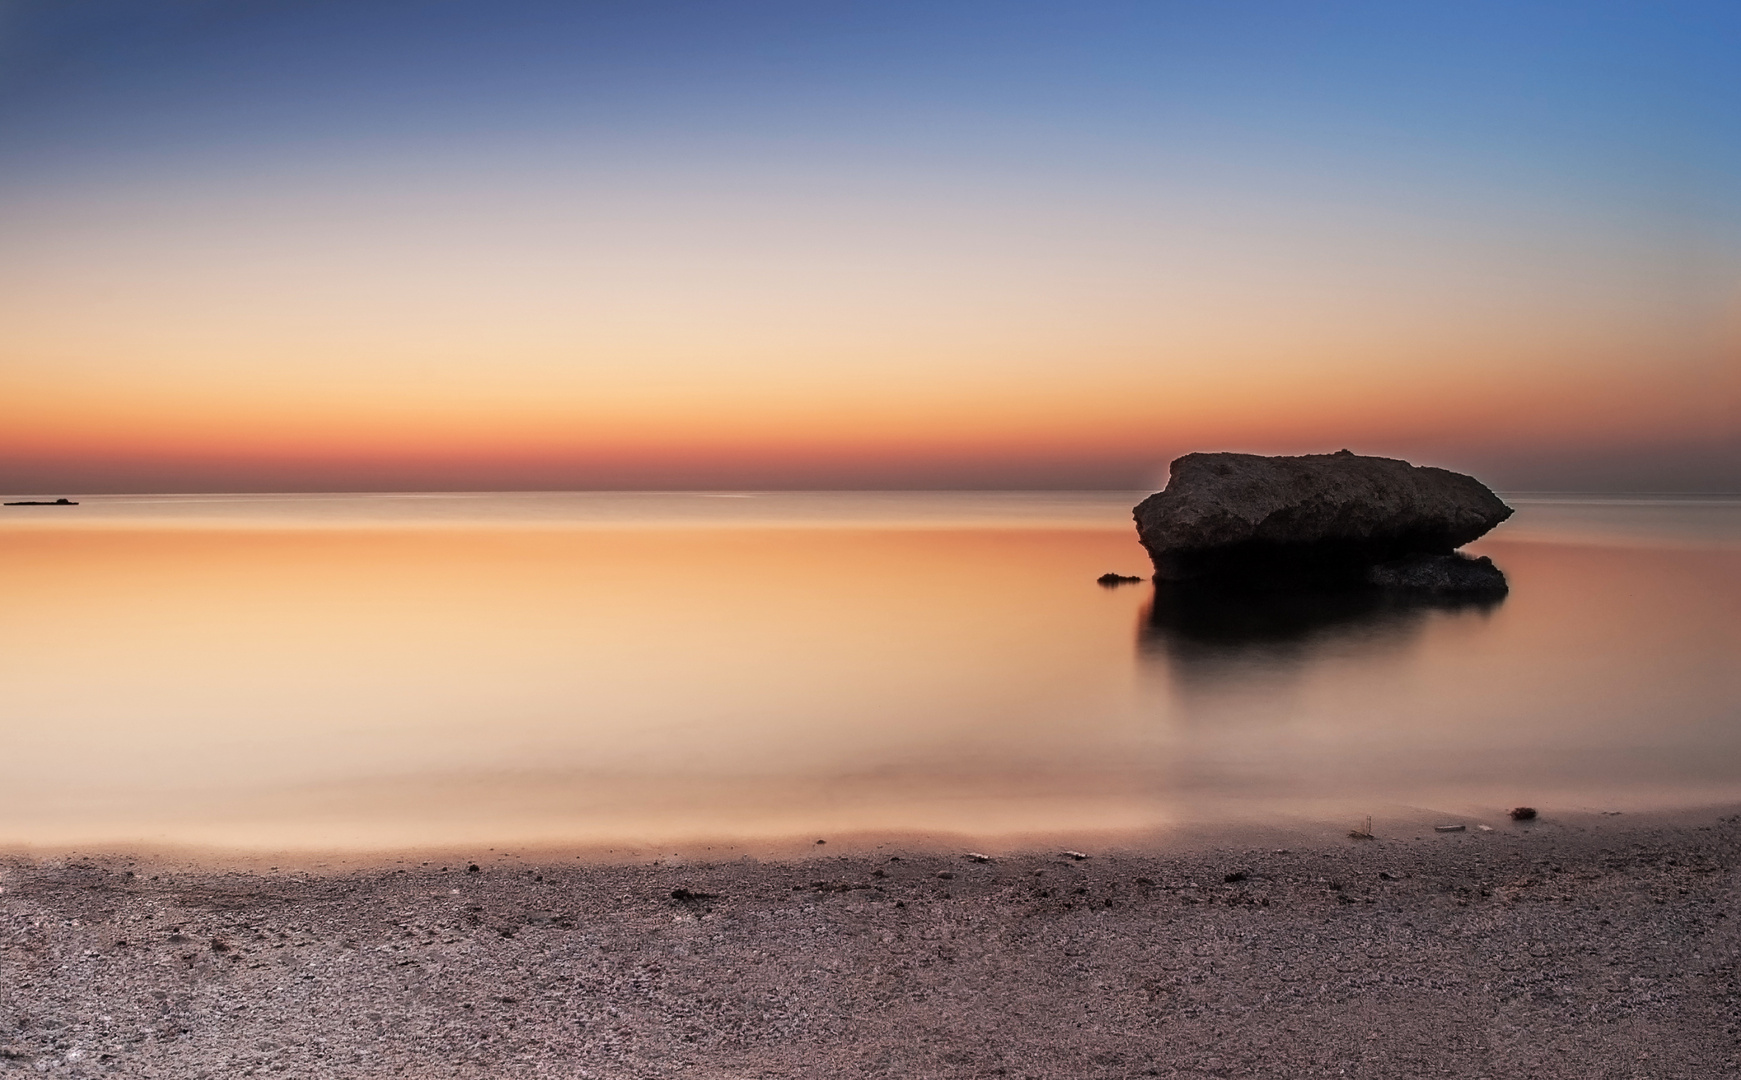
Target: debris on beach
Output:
{"points": [[1523, 813], [1363, 832], [1077, 855], [1449, 828], [976, 856], [691, 896]]}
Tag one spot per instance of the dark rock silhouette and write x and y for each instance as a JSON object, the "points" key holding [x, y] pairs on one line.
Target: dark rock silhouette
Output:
{"points": [[43, 502], [1196, 614], [1208, 633], [1318, 520], [1114, 580]]}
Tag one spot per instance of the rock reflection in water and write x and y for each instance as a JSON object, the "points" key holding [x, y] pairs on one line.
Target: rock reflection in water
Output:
{"points": [[1207, 635]]}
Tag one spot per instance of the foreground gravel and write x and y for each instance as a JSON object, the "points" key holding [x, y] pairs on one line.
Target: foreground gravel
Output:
{"points": [[1598, 949]]}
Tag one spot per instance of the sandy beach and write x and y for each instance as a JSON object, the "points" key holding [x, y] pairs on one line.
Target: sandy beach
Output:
{"points": [[1600, 946]]}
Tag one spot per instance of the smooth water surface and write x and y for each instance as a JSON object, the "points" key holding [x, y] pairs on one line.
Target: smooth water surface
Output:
{"points": [[380, 670]]}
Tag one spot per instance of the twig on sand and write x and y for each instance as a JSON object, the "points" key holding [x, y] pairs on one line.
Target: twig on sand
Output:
{"points": [[1363, 832]]}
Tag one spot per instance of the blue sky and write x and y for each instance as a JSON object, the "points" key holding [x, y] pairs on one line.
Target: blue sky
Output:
{"points": [[1589, 152]]}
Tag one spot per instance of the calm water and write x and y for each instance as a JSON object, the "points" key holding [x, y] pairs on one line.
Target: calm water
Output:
{"points": [[368, 671]]}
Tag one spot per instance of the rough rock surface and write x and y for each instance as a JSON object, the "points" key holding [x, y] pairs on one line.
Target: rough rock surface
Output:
{"points": [[1550, 950], [1278, 521]]}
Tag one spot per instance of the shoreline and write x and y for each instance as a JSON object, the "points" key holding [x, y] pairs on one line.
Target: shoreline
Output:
{"points": [[1281, 826], [1566, 948]]}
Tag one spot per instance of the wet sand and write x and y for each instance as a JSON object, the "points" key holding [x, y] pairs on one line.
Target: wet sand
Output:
{"points": [[1569, 947]]}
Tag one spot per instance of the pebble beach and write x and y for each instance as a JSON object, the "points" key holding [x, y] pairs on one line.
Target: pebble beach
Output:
{"points": [[1588, 947]]}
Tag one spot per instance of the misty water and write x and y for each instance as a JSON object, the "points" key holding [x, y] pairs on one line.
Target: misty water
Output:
{"points": [[371, 671]]}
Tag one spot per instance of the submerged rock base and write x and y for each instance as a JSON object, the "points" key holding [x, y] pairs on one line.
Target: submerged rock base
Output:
{"points": [[1456, 573]]}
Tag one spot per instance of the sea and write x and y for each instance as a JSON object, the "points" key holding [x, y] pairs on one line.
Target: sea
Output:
{"points": [[373, 672]]}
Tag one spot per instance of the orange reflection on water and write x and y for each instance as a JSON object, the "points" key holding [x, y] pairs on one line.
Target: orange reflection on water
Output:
{"points": [[166, 680], [437, 682], [1606, 678]]}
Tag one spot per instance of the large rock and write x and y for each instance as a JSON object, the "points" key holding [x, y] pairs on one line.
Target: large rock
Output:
{"points": [[1277, 522]]}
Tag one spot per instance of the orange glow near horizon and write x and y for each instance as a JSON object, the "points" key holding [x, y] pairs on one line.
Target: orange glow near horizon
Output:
{"points": [[736, 343], [1127, 416]]}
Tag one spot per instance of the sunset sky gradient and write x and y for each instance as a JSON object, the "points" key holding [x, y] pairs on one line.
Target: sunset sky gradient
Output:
{"points": [[379, 245]]}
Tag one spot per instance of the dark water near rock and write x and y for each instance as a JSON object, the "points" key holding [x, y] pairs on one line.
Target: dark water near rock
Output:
{"points": [[371, 671]]}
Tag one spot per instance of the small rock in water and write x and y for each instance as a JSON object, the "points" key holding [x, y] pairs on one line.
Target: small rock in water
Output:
{"points": [[1523, 813], [1115, 580]]}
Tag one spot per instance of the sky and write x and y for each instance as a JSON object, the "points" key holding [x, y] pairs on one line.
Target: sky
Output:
{"points": [[525, 245]]}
